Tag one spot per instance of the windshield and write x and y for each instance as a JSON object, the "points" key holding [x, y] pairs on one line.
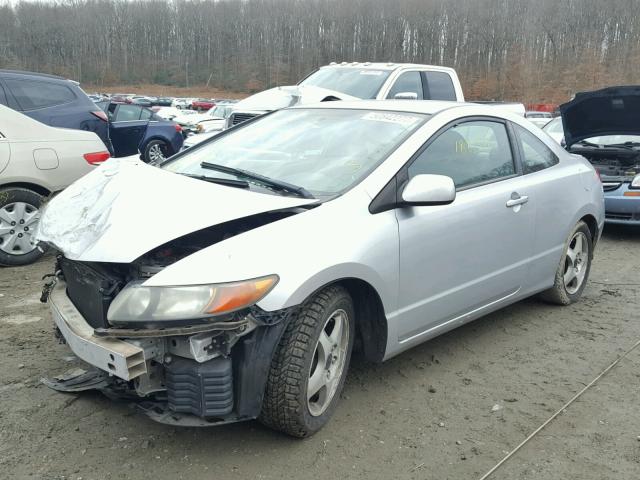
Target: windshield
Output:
{"points": [[324, 151], [358, 82], [613, 139], [554, 126], [220, 111]]}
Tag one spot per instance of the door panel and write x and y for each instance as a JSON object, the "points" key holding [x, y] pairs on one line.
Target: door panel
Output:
{"points": [[5, 153], [457, 258], [126, 130]]}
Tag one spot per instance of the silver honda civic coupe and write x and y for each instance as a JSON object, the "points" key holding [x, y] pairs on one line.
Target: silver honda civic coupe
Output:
{"points": [[234, 281]]}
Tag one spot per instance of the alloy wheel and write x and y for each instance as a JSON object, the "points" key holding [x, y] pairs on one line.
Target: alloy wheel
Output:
{"points": [[327, 365], [576, 262], [156, 155], [18, 222]]}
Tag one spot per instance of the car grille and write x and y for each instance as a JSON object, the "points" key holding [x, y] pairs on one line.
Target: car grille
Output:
{"points": [[237, 117], [89, 290], [618, 216], [610, 186], [202, 389]]}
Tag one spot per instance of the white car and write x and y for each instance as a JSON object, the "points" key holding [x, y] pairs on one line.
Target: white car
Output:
{"points": [[182, 103], [352, 81], [169, 113], [539, 119], [209, 121], [196, 138], [235, 285], [36, 160]]}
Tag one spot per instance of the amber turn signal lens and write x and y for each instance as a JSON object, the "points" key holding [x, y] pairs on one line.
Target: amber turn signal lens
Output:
{"points": [[631, 194], [234, 296]]}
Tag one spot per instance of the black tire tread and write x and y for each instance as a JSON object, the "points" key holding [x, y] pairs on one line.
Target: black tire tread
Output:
{"points": [[7, 260], [287, 379], [558, 295]]}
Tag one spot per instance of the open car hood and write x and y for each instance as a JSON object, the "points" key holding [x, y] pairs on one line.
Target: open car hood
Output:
{"points": [[610, 111], [125, 208], [288, 96]]}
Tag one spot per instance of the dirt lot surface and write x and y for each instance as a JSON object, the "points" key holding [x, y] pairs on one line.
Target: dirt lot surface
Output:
{"points": [[427, 414]]}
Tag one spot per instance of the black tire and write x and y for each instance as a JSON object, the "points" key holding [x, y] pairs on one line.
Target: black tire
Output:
{"points": [[13, 195], [558, 294], [285, 407], [147, 155]]}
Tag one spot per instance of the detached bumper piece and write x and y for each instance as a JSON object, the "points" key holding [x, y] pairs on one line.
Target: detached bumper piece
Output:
{"points": [[201, 389]]}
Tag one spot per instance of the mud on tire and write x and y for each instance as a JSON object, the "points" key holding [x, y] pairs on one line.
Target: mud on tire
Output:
{"points": [[285, 406]]}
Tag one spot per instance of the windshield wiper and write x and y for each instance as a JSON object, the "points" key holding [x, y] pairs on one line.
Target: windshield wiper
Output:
{"points": [[269, 182], [588, 144], [229, 182], [629, 145]]}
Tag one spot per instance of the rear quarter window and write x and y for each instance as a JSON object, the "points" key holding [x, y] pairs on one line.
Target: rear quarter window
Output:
{"points": [[34, 94], [536, 155], [440, 86]]}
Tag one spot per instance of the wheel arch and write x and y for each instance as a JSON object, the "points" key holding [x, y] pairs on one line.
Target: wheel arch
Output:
{"points": [[371, 321], [592, 223], [39, 189], [145, 141]]}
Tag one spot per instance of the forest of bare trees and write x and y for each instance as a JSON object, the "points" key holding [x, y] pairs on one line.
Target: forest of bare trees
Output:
{"points": [[527, 50]]}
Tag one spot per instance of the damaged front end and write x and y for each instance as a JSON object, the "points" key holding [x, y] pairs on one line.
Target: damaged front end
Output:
{"points": [[200, 372]]}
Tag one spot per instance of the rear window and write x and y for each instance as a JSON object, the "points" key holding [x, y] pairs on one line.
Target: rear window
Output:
{"points": [[33, 94], [440, 86]]}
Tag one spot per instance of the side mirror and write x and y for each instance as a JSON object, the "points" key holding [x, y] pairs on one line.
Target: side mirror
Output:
{"points": [[429, 189], [406, 96]]}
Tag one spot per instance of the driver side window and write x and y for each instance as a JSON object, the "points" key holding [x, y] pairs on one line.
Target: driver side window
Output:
{"points": [[408, 82], [470, 153]]}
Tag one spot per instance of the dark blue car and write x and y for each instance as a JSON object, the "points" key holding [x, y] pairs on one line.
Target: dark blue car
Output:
{"points": [[53, 101], [133, 129]]}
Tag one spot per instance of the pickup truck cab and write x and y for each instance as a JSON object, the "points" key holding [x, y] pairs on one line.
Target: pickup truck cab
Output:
{"points": [[352, 81]]}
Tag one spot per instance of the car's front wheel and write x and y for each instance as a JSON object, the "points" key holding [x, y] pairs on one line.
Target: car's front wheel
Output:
{"points": [[310, 364], [156, 152], [573, 270], [19, 216]]}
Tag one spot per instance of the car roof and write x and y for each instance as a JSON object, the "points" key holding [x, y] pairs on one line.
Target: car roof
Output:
{"points": [[390, 66], [31, 74], [428, 107]]}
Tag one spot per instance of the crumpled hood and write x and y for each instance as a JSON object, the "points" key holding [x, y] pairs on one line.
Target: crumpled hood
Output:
{"points": [[287, 96], [610, 111], [125, 208]]}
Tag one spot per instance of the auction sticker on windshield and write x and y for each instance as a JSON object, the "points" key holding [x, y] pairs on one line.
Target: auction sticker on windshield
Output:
{"points": [[388, 117]]}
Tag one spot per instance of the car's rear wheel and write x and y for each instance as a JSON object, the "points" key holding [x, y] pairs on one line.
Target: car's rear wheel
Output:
{"points": [[156, 151], [573, 271], [310, 365], [19, 216]]}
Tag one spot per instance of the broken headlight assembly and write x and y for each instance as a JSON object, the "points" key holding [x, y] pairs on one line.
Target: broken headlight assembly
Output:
{"points": [[137, 303]]}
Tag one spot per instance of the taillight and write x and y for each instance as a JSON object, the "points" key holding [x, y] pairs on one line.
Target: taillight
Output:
{"points": [[96, 157], [100, 114], [178, 128]]}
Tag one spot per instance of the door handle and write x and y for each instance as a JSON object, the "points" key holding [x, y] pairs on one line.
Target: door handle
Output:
{"points": [[517, 200]]}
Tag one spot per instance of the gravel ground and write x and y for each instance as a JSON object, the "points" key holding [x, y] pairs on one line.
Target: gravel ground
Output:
{"points": [[448, 409]]}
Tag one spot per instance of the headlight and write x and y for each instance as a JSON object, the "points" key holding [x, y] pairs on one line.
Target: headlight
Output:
{"points": [[635, 183], [137, 303]]}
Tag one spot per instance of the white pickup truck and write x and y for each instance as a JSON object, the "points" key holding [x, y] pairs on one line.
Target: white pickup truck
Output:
{"points": [[352, 81]]}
